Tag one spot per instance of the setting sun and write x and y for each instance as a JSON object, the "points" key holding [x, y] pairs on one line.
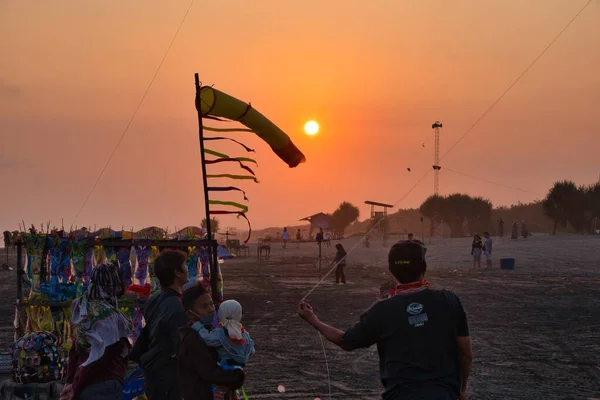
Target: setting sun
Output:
{"points": [[311, 128]]}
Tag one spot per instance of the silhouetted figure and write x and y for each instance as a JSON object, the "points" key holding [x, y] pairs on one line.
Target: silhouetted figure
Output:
{"points": [[285, 237], [501, 228], [340, 258], [524, 231], [319, 237], [515, 231], [476, 249], [487, 248]]}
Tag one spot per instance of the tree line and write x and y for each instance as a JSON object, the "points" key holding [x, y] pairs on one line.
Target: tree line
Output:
{"points": [[566, 204]]}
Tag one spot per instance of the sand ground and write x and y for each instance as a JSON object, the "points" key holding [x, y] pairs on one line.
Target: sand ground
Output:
{"points": [[536, 330]]}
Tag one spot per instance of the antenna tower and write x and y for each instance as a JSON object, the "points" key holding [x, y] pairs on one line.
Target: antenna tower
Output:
{"points": [[437, 126]]}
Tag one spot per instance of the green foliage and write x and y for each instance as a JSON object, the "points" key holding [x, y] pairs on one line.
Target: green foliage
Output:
{"points": [[456, 210], [342, 217], [214, 224], [566, 203]]}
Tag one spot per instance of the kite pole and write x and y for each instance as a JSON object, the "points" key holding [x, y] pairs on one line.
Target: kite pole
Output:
{"points": [[214, 266]]}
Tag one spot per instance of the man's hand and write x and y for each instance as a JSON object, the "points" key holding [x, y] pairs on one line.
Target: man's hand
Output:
{"points": [[67, 392], [305, 311]]}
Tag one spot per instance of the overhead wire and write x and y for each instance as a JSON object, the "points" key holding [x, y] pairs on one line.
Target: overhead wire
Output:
{"points": [[477, 121], [134, 112], [491, 182]]}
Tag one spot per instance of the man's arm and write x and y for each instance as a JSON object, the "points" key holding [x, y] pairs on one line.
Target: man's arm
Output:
{"points": [[465, 357], [463, 342], [333, 334], [206, 365], [361, 335]]}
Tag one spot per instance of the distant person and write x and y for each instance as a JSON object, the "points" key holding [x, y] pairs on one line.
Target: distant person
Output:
{"points": [[319, 237], [7, 239], [476, 248], [411, 236], [524, 231], [487, 248], [285, 237], [157, 347], [340, 259], [328, 238], [298, 238], [501, 227], [514, 234], [422, 335]]}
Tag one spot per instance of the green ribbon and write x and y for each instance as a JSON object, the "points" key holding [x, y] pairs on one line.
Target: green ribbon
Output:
{"points": [[230, 176], [208, 128], [223, 155], [230, 203]]}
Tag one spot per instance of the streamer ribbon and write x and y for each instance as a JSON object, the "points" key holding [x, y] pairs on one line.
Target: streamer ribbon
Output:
{"points": [[226, 189], [248, 149], [230, 176], [220, 160], [222, 155], [230, 203], [239, 214]]}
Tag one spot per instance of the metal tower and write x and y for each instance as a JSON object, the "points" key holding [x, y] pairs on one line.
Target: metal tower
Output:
{"points": [[437, 125]]}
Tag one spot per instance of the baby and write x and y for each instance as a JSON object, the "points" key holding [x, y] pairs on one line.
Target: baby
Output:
{"points": [[232, 342]]}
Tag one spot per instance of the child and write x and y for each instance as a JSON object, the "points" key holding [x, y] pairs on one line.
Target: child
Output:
{"points": [[232, 342], [476, 251]]}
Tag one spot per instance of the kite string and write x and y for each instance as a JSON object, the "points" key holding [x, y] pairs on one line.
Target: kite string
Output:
{"points": [[363, 237], [326, 363], [486, 112], [481, 117], [134, 112]]}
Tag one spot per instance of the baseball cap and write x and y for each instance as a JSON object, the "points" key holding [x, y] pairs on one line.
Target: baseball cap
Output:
{"points": [[407, 252]]}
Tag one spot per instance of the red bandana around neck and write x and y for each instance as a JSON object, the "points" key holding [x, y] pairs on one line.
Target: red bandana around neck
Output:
{"points": [[405, 288]]}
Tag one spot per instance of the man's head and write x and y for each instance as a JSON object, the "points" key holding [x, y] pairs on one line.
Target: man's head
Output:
{"points": [[170, 268], [407, 261], [410, 236], [198, 304], [486, 234]]}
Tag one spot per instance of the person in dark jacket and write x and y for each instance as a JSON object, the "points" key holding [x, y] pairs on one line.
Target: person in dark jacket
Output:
{"points": [[198, 369], [157, 347]]}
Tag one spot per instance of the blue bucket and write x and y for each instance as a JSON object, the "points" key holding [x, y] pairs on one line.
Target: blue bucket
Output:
{"points": [[507, 263]]}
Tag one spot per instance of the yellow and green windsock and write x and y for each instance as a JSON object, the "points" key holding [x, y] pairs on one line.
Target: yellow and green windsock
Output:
{"points": [[216, 104]]}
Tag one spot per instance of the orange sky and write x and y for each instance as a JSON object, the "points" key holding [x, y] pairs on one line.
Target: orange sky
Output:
{"points": [[375, 75]]}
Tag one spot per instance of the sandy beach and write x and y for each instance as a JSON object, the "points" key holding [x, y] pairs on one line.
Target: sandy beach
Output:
{"points": [[536, 330]]}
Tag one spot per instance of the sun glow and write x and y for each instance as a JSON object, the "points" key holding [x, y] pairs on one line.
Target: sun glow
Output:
{"points": [[311, 128]]}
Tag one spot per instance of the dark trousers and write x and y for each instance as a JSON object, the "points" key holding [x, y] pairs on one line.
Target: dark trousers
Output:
{"points": [[162, 386], [339, 273], [106, 390]]}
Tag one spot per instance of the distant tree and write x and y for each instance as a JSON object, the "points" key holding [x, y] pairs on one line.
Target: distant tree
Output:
{"points": [[455, 210], [214, 224], [432, 210], [558, 204], [593, 195], [342, 217]]}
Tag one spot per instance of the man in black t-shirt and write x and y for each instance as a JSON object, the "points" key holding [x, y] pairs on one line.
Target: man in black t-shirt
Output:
{"points": [[422, 335]]}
